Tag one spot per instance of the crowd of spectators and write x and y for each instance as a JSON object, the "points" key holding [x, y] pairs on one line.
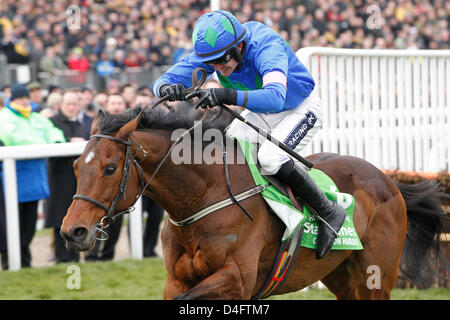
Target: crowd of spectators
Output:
{"points": [[70, 112], [144, 33], [133, 33]]}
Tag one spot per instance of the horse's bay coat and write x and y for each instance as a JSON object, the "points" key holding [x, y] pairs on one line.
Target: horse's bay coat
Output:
{"points": [[225, 255]]}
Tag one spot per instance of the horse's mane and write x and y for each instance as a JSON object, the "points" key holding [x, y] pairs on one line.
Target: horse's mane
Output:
{"points": [[182, 116]]}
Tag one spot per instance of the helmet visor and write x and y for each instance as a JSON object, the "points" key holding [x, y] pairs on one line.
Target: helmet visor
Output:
{"points": [[223, 59]]}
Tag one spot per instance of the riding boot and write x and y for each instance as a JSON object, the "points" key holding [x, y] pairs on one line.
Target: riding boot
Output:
{"points": [[296, 177]]}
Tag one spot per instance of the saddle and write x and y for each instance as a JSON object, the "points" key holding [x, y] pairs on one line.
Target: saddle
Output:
{"points": [[284, 189], [301, 225], [288, 250]]}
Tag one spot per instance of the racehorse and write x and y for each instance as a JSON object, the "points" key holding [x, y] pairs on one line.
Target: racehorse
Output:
{"points": [[226, 255]]}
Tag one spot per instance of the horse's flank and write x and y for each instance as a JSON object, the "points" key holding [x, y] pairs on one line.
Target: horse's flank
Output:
{"points": [[225, 255]]}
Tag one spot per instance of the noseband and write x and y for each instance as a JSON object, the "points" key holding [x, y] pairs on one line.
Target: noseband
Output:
{"points": [[126, 174]]}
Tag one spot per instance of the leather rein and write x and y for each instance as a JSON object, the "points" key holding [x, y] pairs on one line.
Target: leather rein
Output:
{"points": [[126, 174]]}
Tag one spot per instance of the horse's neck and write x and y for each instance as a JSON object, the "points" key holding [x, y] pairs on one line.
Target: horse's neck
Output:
{"points": [[182, 189], [179, 188]]}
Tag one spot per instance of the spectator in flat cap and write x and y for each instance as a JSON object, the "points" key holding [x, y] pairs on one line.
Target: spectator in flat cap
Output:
{"points": [[36, 96]]}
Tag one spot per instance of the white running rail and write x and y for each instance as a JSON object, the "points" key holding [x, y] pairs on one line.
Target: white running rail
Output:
{"points": [[389, 107], [9, 155]]}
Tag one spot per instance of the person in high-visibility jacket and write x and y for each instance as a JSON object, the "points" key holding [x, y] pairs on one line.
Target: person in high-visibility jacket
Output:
{"points": [[19, 125]]}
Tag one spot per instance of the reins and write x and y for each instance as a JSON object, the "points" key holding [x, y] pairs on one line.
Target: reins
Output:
{"points": [[196, 85], [126, 173]]}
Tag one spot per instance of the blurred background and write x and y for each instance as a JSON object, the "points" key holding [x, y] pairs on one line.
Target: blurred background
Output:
{"points": [[110, 52], [98, 43]]}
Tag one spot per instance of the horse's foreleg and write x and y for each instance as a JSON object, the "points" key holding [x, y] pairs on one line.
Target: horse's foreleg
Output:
{"points": [[225, 283], [173, 288]]}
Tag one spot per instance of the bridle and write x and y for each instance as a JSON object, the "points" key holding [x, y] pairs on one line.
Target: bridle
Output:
{"points": [[126, 174]]}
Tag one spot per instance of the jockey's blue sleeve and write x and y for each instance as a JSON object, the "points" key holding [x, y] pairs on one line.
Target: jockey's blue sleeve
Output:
{"points": [[171, 78], [270, 79], [269, 99], [180, 72]]}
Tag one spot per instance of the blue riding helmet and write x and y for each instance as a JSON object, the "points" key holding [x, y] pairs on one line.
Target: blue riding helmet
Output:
{"points": [[215, 33]]}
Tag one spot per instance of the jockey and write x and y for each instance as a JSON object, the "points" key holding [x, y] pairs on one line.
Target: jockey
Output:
{"points": [[260, 72]]}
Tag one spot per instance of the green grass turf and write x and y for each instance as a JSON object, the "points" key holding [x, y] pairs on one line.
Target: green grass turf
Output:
{"points": [[135, 280]]}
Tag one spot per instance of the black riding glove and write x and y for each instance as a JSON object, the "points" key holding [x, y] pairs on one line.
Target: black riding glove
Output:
{"points": [[213, 97], [175, 92]]}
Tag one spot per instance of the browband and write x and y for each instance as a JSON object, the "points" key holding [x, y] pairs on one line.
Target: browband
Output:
{"points": [[128, 143]]}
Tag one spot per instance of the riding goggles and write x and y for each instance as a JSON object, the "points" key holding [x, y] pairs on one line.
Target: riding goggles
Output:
{"points": [[223, 59]]}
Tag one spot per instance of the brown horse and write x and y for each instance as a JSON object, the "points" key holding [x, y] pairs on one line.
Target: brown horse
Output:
{"points": [[226, 255]]}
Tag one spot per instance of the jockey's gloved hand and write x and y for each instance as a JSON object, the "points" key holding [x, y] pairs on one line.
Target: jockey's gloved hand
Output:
{"points": [[212, 97], [175, 92]]}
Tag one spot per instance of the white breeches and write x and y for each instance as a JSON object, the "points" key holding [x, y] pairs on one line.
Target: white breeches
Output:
{"points": [[295, 128]]}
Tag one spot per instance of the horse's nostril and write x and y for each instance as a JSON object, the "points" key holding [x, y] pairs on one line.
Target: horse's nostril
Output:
{"points": [[63, 235], [78, 233]]}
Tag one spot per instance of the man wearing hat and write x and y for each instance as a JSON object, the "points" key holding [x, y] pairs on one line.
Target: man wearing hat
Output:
{"points": [[20, 125], [36, 97]]}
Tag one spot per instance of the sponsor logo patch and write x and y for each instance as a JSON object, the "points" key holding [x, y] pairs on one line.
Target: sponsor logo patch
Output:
{"points": [[300, 131]]}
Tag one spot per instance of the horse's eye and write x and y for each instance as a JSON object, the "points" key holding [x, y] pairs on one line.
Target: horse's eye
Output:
{"points": [[109, 170]]}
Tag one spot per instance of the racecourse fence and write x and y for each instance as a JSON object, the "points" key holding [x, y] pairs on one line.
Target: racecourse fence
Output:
{"points": [[137, 76], [389, 107], [9, 155]]}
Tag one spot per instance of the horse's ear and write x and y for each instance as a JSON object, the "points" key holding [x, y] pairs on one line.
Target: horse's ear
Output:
{"points": [[96, 121], [127, 129]]}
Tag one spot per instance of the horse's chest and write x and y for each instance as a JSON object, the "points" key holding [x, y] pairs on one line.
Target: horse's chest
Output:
{"points": [[192, 269]]}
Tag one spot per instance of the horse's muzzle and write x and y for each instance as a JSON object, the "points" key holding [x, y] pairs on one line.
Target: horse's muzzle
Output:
{"points": [[78, 238]]}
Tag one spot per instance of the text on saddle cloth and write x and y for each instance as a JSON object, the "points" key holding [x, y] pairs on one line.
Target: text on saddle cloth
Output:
{"points": [[348, 238]]}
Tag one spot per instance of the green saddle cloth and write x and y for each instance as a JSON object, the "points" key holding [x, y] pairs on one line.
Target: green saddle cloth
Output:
{"points": [[348, 238]]}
